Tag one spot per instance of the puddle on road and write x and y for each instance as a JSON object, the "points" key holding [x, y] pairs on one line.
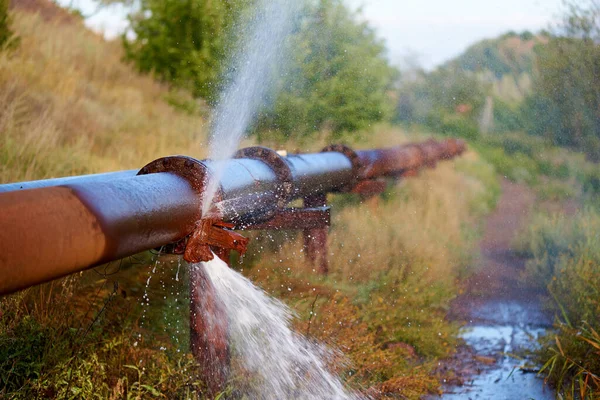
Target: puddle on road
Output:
{"points": [[498, 333]]}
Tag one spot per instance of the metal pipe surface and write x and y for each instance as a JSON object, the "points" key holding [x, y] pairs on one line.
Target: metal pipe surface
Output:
{"points": [[397, 160], [248, 187], [51, 232], [319, 172], [55, 227], [96, 178]]}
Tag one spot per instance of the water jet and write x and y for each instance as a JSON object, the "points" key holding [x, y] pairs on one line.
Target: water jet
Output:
{"points": [[57, 227]]}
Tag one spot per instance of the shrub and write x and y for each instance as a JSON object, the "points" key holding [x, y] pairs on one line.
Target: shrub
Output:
{"points": [[565, 259], [338, 76], [180, 42], [457, 125]]}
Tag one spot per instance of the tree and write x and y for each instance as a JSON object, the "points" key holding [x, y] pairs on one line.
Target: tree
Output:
{"points": [[182, 42], [567, 82], [447, 100], [338, 77]]}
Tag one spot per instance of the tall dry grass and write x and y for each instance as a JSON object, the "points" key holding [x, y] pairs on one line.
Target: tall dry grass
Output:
{"points": [[421, 221], [394, 266], [564, 259], [68, 105], [431, 221]]}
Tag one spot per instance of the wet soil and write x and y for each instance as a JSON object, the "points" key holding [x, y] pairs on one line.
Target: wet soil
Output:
{"points": [[502, 316]]}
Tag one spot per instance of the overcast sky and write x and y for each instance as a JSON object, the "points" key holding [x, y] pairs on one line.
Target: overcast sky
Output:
{"points": [[438, 30], [435, 30]]}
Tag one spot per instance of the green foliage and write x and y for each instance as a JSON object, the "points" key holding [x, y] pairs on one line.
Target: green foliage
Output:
{"points": [[69, 340], [181, 42], [457, 125], [556, 190], [338, 78], [507, 55], [21, 354], [5, 32], [565, 105], [565, 259], [573, 360], [484, 172], [446, 100], [7, 38], [557, 173], [498, 67], [508, 117]]}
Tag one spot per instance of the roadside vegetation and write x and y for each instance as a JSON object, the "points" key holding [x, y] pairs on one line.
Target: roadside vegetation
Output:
{"points": [[395, 265], [121, 331], [73, 103], [6, 34], [564, 258], [70, 106], [528, 103]]}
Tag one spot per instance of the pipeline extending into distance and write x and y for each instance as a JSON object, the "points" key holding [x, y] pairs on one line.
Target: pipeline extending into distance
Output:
{"points": [[55, 227]]}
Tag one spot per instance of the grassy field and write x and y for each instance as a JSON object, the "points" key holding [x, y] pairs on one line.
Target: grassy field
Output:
{"points": [[69, 106], [557, 174]]}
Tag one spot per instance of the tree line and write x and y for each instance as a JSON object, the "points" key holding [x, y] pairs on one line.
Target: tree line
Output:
{"points": [[337, 81], [558, 86]]}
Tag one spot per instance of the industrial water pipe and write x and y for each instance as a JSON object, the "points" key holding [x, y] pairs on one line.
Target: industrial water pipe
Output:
{"points": [[55, 227]]}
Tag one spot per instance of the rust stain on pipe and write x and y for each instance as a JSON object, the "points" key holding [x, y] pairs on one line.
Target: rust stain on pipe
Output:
{"points": [[396, 161], [27, 218], [51, 232]]}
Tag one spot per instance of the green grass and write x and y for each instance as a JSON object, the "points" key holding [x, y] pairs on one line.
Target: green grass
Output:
{"points": [[564, 256], [394, 268], [555, 173], [71, 107]]}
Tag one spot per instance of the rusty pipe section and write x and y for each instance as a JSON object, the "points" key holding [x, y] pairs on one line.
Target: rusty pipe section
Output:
{"points": [[399, 160], [56, 227], [54, 231]]}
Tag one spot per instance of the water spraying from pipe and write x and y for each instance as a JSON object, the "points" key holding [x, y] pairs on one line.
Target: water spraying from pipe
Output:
{"points": [[276, 362], [253, 68]]}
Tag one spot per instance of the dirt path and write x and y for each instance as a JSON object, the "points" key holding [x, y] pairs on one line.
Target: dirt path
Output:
{"points": [[502, 316]]}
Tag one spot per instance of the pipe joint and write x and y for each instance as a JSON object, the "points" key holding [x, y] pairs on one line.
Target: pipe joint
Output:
{"points": [[357, 165], [210, 234], [192, 170], [285, 187]]}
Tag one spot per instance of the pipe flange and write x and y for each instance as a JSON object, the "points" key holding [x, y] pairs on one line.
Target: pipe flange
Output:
{"points": [[197, 174], [278, 165], [357, 165], [192, 170]]}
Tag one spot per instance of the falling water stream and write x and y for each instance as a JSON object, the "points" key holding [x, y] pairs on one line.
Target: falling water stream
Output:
{"points": [[253, 68], [278, 363], [275, 362]]}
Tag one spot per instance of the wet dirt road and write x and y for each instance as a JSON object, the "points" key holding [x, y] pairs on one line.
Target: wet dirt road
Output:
{"points": [[502, 316]]}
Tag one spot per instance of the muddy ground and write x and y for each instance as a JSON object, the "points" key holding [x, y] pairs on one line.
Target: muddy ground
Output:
{"points": [[502, 316]]}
